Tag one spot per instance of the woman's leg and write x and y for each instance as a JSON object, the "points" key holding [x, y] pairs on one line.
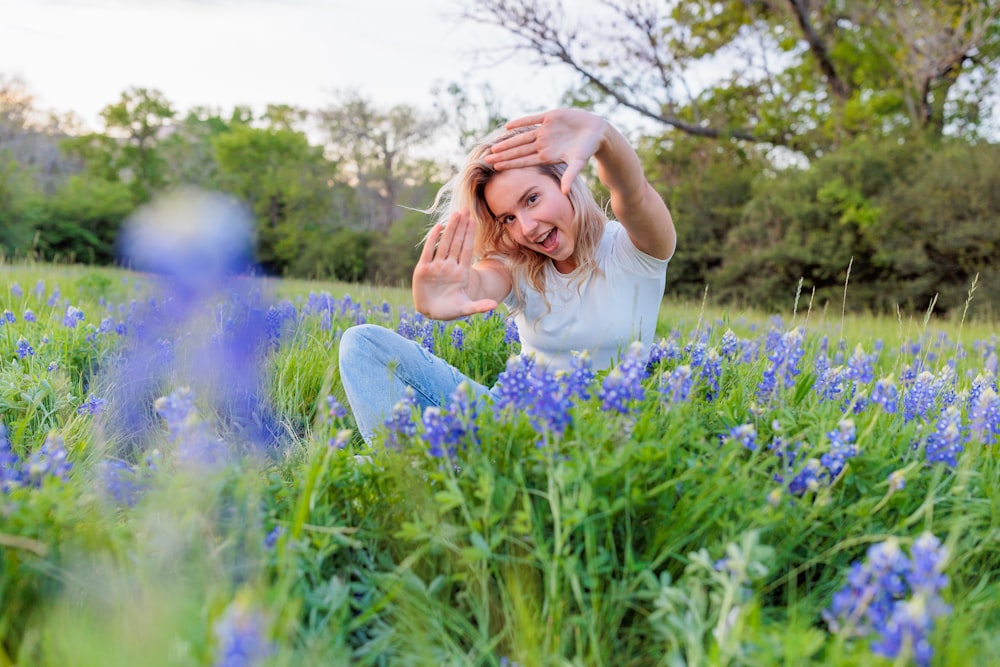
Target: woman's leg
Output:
{"points": [[376, 367]]}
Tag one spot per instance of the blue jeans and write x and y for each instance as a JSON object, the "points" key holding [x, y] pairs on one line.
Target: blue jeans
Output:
{"points": [[376, 367]]}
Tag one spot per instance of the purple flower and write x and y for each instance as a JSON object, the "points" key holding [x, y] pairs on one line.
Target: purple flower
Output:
{"points": [[893, 597], [72, 317], [49, 460], [745, 434], [945, 443], [241, 639], [920, 397], [24, 348], [8, 317], [510, 335], [842, 447], [886, 395], [92, 406], [784, 352], [458, 338], [335, 409], [622, 386], [29, 315], [675, 385], [984, 417], [807, 479], [400, 421], [10, 465]]}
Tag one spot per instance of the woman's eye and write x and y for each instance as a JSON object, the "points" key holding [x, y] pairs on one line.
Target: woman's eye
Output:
{"points": [[532, 198], [507, 220]]}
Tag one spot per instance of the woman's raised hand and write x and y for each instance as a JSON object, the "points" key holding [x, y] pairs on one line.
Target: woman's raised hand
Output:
{"points": [[443, 280], [561, 135]]}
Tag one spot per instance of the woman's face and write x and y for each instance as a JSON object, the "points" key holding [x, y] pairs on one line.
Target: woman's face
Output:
{"points": [[534, 213]]}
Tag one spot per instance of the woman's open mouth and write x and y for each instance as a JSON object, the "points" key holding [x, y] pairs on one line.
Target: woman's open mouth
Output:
{"points": [[550, 241]]}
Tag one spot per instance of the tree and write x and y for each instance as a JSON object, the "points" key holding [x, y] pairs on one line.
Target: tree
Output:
{"points": [[376, 146], [128, 151], [791, 73], [285, 180]]}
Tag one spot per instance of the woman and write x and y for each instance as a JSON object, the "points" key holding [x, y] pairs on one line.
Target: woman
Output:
{"points": [[522, 228]]}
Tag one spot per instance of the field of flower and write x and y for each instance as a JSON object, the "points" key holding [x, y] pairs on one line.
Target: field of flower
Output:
{"points": [[180, 485]]}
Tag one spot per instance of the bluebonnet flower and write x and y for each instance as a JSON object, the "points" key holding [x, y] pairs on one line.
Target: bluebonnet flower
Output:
{"points": [[126, 483], [711, 372], [54, 297], [745, 434], [582, 376], [897, 480], [658, 353], [10, 465], [406, 329], [107, 325], [514, 384], [920, 397], [510, 335], [729, 345], [53, 366], [784, 352], [93, 406], [241, 637], [16, 291], [860, 367], [39, 288], [335, 409], [829, 384], [326, 320], [24, 348], [984, 417], [886, 395], [47, 461], [191, 436], [445, 428], [9, 317], [676, 385], [945, 443], [807, 479], [893, 597], [72, 317], [842, 447], [622, 386], [341, 440], [29, 315], [271, 539], [543, 395], [426, 334], [400, 421], [458, 338]]}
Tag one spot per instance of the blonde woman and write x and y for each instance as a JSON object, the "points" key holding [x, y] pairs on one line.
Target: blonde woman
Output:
{"points": [[519, 226]]}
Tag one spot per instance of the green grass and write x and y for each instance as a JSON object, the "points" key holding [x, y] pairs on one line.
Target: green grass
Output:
{"points": [[599, 547]]}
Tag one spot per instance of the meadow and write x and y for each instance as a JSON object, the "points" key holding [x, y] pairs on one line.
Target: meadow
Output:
{"points": [[181, 485]]}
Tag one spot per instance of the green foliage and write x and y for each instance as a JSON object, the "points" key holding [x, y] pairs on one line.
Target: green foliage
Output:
{"points": [[649, 537], [285, 181]]}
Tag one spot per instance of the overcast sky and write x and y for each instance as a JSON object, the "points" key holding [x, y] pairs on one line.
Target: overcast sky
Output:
{"points": [[79, 55]]}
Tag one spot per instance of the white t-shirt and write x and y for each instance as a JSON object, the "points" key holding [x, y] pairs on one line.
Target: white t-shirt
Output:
{"points": [[602, 315]]}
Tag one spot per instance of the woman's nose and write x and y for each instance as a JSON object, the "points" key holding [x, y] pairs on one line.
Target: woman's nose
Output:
{"points": [[528, 225]]}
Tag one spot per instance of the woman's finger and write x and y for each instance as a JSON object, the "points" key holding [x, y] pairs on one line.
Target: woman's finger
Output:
{"points": [[448, 237], [427, 254], [525, 121], [468, 243]]}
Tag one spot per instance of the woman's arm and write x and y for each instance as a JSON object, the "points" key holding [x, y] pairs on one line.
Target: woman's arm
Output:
{"points": [[446, 284], [574, 136]]}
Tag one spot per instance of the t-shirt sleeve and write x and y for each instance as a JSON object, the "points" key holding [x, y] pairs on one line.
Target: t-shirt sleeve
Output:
{"points": [[631, 259]]}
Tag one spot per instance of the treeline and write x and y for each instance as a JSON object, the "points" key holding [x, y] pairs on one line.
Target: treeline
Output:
{"points": [[907, 219]]}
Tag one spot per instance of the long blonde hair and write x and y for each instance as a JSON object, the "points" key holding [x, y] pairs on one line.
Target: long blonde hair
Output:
{"points": [[466, 191]]}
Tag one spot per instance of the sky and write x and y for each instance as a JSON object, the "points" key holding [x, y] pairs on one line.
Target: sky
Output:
{"points": [[80, 55]]}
